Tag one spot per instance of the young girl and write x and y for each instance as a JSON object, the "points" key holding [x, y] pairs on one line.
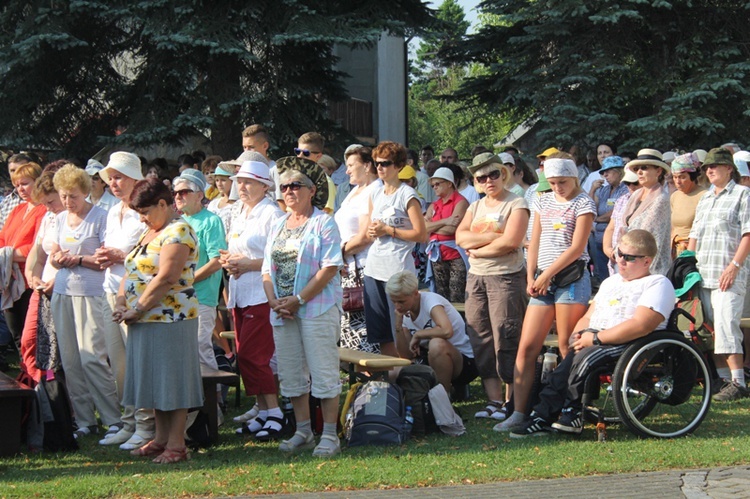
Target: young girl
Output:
{"points": [[557, 249]]}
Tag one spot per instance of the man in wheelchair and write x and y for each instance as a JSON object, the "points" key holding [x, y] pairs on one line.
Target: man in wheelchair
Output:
{"points": [[628, 306]]}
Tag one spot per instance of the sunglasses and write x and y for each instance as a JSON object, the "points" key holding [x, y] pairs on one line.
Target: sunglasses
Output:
{"points": [[641, 167], [438, 183], [305, 152], [383, 164], [183, 192], [294, 186], [626, 257], [492, 176]]}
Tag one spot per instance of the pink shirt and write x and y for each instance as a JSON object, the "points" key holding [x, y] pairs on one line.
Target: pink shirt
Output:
{"points": [[442, 210]]}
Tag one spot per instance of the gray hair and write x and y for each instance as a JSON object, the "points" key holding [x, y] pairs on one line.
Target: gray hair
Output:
{"points": [[402, 284], [188, 184], [296, 176]]}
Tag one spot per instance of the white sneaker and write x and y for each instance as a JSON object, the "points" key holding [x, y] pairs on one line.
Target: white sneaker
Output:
{"points": [[118, 438], [136, 441], [251, 414]]}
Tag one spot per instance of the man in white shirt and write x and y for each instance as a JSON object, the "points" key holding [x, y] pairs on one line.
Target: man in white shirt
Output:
{"points": [[628, 306]]}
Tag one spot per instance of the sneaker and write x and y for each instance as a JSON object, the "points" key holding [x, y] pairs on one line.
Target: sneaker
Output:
{"points": [[118, 437], [251, 414], [85, 431], [136, 441], [731, 391], [570, 422], [534, 427]]}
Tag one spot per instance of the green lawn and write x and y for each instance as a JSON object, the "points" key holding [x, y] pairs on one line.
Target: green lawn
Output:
{"points": [[239, 466]]}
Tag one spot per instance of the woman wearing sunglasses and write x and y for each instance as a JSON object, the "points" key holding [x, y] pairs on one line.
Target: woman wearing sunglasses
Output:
{"points": [[557, 278], [648, 207], [396, 225], [301, 280], [492, 233]]}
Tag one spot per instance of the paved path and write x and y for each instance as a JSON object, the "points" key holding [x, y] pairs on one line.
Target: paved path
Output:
{"points": [[718, 483]]}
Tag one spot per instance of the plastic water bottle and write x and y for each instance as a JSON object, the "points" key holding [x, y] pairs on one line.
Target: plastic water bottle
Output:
{"points": [[408, 420], [549, 364]]}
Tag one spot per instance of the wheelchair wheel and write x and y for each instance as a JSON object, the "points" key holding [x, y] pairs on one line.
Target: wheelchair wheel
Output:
{"points": [[662, 386], [600, 399]]}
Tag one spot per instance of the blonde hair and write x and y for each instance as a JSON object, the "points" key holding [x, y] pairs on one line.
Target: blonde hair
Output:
{"points": [[641, 241], [27, 170], [70, 176], [402, 284]]}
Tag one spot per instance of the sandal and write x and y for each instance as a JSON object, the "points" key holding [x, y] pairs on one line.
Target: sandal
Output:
{"points": [[299, 441], [269, 432], [171, 456], [328, 447], [245, 428], [150, 449], [490, 410]]}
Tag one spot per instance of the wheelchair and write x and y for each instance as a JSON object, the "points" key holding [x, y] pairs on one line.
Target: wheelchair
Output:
{"points": [[660, 386]]}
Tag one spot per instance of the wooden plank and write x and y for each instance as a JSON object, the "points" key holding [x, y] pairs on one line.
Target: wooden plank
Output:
{"points": [[371, 360], [230, 335]]}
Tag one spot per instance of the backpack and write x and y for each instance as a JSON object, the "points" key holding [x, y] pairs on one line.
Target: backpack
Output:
{"points": [[416, 381], [377, 415]]}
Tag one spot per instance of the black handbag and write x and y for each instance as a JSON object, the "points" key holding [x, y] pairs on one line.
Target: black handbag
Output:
{"points": [[570, 274]]}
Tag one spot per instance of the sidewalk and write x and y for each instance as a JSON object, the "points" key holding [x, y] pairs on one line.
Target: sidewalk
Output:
{"points": [[719, 483]]}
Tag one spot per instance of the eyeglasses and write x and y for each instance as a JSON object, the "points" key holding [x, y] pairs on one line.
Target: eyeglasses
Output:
{"points": [[294, 186], [627, 258], [636, 168], [492, 176], [383, 164], [305, 152], [183, 192], [438, 183]]}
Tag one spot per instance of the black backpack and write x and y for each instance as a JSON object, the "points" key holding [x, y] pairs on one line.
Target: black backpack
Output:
{"points": [[416, 381], [377, 415]]}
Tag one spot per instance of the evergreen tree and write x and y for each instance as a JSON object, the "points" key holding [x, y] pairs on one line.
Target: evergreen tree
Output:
{"points": [[73, 72], [661, 74]]}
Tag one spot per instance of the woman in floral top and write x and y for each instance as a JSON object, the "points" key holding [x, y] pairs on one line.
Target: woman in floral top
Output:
{"points": [[157, 301]]}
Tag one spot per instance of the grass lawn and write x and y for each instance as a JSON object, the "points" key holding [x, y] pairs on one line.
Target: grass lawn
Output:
{"points": [[240, 466]]}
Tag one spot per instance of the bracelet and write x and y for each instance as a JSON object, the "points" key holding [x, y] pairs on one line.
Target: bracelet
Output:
{"points": [[80, 261], [394, 231], [138, 309], [300, 300], [736, 264]]}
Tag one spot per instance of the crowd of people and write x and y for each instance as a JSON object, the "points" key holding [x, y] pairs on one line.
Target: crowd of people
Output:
{"points": [[118, 272]]}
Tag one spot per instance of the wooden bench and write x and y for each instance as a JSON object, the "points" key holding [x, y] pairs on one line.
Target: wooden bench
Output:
{"points": [[359, 363], [13, 396], [211, 378]]}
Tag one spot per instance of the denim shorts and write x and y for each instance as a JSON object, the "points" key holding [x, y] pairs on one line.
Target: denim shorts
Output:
{"points": [[577, 293]]}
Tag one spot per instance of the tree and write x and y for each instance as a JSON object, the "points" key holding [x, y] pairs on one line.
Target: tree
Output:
{"points": [[75, 71], [660, 74], [433, 119]]}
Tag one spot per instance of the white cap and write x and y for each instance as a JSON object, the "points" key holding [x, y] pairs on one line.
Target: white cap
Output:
{"points": [[445, 174], [255, 170], [507, 158], [741, 159]]}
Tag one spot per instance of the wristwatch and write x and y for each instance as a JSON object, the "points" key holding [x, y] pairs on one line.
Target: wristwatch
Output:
{"points": [[596, 340], [300, 300]]}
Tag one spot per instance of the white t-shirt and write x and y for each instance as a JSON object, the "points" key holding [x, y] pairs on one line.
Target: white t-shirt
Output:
{"points": [[355, 205], [106, 202], [389, 255], [83, 240], [427, 302], [122, 235], [45, 237], [559, 222], [617, 299], [593, 177], [224, 213], [248, 236], [470, 193]]}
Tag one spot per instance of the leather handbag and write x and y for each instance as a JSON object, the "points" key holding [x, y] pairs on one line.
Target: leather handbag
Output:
{"points": [[569, 274], [354, 296]]}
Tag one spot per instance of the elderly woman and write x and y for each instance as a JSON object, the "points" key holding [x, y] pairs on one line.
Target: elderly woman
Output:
{"points": [[492, 233], [124, 228], [684, 201], [445, 261], [157, 301], [614, 231], [605, 193], [352, 221], [557, 278], [720, 237], [251, 225], [77, 302], [648, 207], [41, 276], [302, 283], [16, 240], [396, 225]]}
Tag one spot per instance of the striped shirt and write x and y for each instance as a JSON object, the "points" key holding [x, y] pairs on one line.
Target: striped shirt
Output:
{"points": [[559, 224], [720, 221], [319, 247]]}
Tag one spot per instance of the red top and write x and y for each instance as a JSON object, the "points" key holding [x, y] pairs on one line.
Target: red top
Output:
{"points": [[440, 211], [20, 229]]}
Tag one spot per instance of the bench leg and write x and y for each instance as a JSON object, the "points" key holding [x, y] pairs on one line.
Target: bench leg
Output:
{"points": [[210, 406]]}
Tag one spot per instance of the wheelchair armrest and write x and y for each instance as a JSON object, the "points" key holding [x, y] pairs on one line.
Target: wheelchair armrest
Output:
{"points": [[676, 313]]}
